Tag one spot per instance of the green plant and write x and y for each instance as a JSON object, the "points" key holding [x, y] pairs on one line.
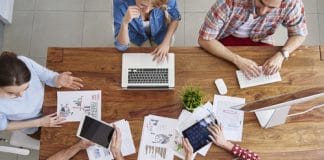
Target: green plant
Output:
{"points": [[191, 97]]}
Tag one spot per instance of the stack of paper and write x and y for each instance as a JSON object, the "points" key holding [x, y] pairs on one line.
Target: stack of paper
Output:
{"points": [[97, 152], [157, 136], [73, 105], [230, 119]]}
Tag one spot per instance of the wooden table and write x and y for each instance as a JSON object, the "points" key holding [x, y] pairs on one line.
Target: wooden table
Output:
{"points": [[100, 68]]}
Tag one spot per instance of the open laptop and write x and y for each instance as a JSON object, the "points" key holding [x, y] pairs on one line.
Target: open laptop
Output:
{"points": [[139, 71]]}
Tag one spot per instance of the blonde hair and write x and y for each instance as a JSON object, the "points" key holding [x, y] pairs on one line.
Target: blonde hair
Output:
{"points": [[163, 5]]}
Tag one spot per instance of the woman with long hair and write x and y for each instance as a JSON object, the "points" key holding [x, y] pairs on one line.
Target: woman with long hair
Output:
{"points": [[22, 93], [142, 22]]}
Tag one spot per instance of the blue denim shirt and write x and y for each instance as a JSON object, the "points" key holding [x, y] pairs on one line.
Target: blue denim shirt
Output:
{"points": [[136, 31]]}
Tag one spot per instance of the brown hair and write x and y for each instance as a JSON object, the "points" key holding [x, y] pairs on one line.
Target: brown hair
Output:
{"points": [[13, 71], [163, 4]]}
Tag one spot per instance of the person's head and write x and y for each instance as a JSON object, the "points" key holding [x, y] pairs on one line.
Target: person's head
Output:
{"points": [[14, 75], [265, 6], [147, 5]]}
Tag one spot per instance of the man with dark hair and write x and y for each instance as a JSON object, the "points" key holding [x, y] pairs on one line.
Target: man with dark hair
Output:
{"points": [[251, 23]]}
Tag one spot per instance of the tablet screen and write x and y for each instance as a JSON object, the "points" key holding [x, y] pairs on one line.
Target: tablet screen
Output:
{"points": [[198, 134], [96, 131]]}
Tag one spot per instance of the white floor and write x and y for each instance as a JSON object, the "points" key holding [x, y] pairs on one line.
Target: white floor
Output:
{"points": [[39, 24]]}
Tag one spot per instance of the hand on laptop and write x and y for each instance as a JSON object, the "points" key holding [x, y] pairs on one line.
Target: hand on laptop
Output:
{"points": [[217, 136], [161, 52], [248, 67], [273, 64], [187, 148], [116, 144]]}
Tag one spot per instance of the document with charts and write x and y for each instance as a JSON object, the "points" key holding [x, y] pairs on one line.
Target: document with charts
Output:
{"points": [[73, 105], [231, 119], [157, 136], [97, 152]]}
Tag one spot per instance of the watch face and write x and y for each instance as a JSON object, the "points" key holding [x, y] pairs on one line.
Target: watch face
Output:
{"points": [[286, 54]]}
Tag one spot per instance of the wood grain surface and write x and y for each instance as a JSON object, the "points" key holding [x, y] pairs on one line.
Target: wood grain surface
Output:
{"points": [[302, 137]]}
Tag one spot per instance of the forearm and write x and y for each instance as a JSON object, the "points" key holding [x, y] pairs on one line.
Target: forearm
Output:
{"points": [[227, 146], [293, 43], [216, 48], [16, 125], [123, 37], [171, 29], [67, 153]]}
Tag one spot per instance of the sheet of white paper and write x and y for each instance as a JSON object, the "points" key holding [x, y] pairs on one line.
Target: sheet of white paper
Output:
{"points": [[73, 105], [157, 137], [127, 147], [97, 152], [203, 111], [232, 120]]}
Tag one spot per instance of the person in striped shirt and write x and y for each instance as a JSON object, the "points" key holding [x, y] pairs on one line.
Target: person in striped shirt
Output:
{"points": [[251, 23]]}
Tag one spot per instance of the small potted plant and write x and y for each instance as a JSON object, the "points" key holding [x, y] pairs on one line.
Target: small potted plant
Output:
{"points": [[191, 97]]}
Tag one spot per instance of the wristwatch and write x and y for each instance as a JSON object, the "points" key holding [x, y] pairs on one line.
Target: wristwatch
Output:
{"points": [[284, 53]]}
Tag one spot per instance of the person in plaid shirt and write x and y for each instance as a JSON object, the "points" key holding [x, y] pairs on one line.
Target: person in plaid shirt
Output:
{"points": [[217, 137], [251, 23]]}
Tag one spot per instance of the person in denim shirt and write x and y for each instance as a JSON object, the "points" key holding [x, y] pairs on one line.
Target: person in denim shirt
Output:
{"points": [[139, 21]]}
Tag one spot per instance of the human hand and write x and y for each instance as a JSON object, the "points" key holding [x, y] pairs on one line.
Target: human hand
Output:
{"points": [[161, 52], [51, 120], [273, 64], [66, 79], [115, 147], [217, 136], [248, 67], [187, 148], [131, 13], [84, 144]]}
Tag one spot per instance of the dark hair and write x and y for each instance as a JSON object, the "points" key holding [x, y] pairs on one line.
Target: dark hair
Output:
{"points": [[13, 71]]}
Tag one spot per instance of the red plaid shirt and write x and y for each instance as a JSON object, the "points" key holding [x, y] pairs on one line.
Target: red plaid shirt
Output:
{"points": [[225, 16]]}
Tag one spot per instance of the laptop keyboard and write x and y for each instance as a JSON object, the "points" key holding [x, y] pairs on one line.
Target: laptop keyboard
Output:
{"points": [[148, 75]]}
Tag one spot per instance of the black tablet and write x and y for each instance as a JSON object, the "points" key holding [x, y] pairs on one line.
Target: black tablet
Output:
{"points": [[96, 131], [198, 134]]}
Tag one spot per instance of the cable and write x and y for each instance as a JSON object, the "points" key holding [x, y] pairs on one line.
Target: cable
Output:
{"points": [[308, 110]]}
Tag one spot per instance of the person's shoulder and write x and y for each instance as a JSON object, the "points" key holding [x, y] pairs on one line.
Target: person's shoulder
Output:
{"points": [[289, 3], [292, 5], [230, 3], [125, 2], [24, 59], [28, 61]]}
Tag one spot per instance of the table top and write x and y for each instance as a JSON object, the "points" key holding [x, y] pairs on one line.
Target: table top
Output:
{"points": [[100, 69]]}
